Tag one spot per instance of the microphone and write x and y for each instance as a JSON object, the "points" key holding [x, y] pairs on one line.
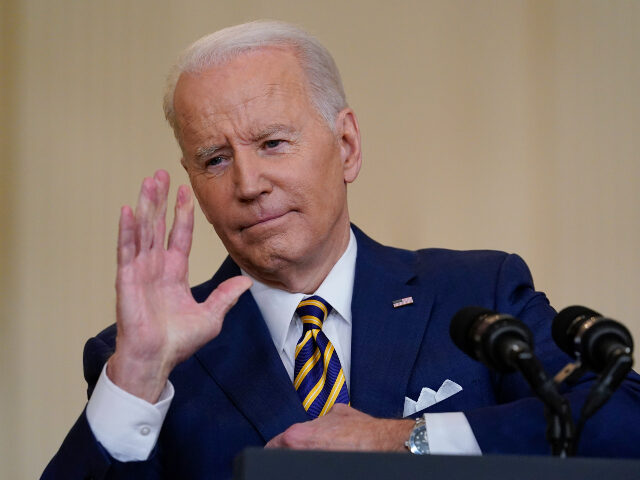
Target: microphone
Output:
{"points": [[600, 344], [586, 335], [489, 337], [505, 344]]}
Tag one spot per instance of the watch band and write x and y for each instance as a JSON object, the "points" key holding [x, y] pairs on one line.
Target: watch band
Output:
{"points": [[418, 442]]}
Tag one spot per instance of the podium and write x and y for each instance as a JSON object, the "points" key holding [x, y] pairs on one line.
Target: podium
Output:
{"points": [[258, 463]]}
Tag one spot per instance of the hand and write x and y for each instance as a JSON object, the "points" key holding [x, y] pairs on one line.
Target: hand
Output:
{"points": [[345, 428], [159, 322]]}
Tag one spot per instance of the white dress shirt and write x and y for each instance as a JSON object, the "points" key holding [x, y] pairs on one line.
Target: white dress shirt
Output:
{"points": [[128, 427], [278, 309]]}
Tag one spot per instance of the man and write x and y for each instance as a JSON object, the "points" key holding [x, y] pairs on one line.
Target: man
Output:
{"points": [[191, 377]]}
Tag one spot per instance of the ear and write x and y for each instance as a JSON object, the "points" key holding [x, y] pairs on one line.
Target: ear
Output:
{"points": [[348, 133]]}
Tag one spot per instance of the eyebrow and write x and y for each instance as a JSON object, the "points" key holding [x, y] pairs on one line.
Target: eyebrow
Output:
{"points": [[273, 129], [202, 153]]}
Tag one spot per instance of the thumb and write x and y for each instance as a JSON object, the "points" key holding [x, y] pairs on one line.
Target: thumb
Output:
{"points": [[226, 295]]}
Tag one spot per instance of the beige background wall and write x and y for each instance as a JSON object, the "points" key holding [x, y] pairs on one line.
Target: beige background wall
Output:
{"points": [[510, 125]]}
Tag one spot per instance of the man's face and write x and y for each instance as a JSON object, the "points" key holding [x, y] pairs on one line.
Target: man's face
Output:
{"points": [[268, 172]]}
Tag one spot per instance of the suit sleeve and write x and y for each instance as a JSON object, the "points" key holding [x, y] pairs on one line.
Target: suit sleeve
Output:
{"points": [[81, 456], [516, 424]]}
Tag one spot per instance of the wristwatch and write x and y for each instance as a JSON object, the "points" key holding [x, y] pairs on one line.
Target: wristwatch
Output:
{"points": [[418, 442]]}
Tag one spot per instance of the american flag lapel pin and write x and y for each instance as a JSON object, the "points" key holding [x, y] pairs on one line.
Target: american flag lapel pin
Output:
{"points": [[402, 302]]}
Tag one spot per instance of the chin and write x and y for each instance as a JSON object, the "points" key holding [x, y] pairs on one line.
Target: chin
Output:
{"points": [[269, 256]]}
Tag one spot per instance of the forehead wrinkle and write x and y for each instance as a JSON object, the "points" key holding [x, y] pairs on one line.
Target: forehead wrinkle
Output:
{"points": [[227, 118], [208, 114], [238, 118], [248, 126], [275, 89]]}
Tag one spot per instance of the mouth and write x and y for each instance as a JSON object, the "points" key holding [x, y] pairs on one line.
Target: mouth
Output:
{"points": [[264, 220]]}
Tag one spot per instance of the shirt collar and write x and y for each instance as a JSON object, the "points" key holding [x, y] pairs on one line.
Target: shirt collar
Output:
{"points": [[278, 306]]}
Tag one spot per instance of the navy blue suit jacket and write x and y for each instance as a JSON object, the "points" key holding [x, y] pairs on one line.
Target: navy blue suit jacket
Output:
{"points": [[235, 392]]}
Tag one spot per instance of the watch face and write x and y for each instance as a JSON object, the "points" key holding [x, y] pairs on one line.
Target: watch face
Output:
{"points": [[418, 442]]}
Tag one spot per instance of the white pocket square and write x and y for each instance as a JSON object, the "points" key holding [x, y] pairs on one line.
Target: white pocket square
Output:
{"points": [[428, 397]]}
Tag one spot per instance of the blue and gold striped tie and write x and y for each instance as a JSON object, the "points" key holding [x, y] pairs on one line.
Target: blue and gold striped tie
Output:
{"points": [[318, 375]]}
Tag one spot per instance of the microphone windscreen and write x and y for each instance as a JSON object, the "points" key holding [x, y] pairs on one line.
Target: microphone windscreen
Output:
{"points": [[461, 325], [562, 322]]}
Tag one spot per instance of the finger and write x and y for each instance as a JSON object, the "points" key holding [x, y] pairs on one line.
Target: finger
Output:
{"points": [[182, 229], [226, 295], [161, 178], [276, 442], [145, 209], [297, 436], [126, 237]]}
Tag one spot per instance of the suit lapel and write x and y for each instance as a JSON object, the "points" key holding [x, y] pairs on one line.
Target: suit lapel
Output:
{"points": [[243, 361], [385, 340]]}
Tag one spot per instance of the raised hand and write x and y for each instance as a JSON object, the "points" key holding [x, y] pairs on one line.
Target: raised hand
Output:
{"points": [[159, 322]]}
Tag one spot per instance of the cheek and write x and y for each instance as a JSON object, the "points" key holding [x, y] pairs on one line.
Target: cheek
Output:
{"points": [[324, 202], [209, 199]]}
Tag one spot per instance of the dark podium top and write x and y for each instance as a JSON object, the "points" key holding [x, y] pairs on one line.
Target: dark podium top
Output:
{"points": [[257, 463]]}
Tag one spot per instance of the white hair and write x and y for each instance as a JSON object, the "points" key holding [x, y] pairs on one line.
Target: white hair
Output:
{"points": [[325, 85]]}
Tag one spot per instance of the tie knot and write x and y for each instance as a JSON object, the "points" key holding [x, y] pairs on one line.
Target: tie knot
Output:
{"points": [[313, 311]]}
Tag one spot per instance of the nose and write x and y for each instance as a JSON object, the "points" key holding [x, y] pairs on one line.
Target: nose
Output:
{"points": [[250, 175]]}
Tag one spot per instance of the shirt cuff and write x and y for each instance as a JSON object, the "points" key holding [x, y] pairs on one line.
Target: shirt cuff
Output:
{"points": [[127, 426], [450, 434]]}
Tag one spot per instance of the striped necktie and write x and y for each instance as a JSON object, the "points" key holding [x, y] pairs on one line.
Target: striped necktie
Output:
{"points": [[318, 375]]}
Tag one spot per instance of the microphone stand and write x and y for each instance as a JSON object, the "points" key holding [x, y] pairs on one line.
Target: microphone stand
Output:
{"points": [[608, 381], [560, 428]]}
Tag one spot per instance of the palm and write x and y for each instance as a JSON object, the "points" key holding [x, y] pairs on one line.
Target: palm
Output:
{"points": [[159, 322]]}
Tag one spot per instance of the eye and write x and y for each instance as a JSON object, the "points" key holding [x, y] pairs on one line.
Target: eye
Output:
{"points": [[212, 162], [272, 143]]}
